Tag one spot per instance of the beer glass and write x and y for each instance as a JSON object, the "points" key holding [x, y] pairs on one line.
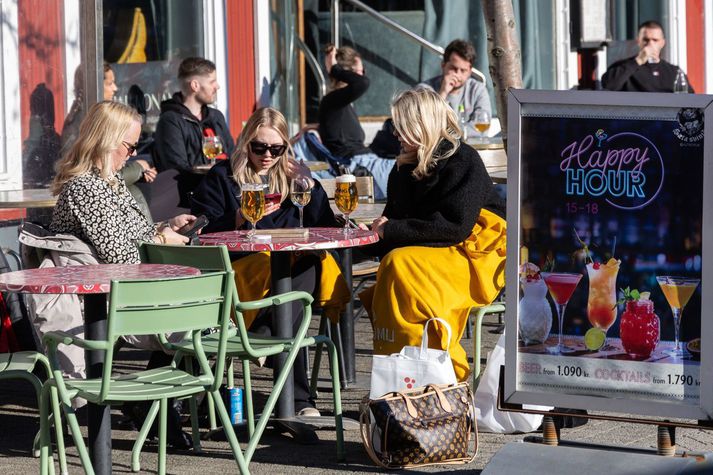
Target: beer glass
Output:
{"points": [[252, 204], [346, 197], [212, 147]]}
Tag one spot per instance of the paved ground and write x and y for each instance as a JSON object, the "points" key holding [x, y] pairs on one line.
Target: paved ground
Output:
{"points": [[278, 453]]}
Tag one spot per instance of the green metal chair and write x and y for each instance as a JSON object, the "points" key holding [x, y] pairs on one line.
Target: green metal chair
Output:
{"points": [[149, 307], [480, 312], [245, 346], [20, 365]]}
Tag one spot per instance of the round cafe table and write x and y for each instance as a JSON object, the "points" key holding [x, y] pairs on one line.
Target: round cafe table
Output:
{"points": [[28, 198], [94, 283], [281, 246]]}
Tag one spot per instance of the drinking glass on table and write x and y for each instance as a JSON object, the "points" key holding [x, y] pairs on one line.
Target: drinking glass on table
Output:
{"points": [[346, 197], [301, 194], [252, 204], [482, 123], [212, 147]]}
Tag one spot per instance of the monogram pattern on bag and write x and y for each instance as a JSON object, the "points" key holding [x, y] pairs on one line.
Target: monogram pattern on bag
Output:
{"points": [[434, 436]]}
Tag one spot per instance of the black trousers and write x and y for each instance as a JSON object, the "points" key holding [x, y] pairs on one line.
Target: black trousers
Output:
{"points": [[305, 276]]}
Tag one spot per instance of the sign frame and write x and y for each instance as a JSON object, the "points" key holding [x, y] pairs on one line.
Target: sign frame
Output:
{"points": [[519, 99]]}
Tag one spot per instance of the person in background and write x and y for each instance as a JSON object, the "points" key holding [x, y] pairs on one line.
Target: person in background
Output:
{"points": [[339, 125], [646, 71], [185, 119], [442, 232], [135, 170], [263, 155], [460, 90]]}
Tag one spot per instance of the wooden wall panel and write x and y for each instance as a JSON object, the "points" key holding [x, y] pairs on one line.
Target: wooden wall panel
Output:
{"points": [[241, 62]]}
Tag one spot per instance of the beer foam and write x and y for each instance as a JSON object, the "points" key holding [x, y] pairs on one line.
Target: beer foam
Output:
{"points": [[346, 179]]}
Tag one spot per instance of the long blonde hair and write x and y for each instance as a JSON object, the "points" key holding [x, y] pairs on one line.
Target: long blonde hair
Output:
{"points": [[423, 118], [239, 162], [101, 131]]}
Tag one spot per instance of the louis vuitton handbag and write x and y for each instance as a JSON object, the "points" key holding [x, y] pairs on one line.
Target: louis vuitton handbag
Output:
{"points": [[429, 425]]}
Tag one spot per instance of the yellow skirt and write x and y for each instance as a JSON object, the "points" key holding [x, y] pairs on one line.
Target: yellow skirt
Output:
{"points": [[252, 279], [416, 283]]}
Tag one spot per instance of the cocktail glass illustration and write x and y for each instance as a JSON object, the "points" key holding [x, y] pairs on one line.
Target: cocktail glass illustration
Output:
{"points": [[678, 291], [601, 306], [561, 286]]}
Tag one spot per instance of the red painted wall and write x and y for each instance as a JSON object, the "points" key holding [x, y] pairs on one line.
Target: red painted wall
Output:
{"points": [[695, 45], [241, 62], [41, 57]]}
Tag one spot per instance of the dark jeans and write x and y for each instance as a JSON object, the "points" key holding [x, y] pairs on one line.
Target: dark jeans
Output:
{"points": [[305, 276]]}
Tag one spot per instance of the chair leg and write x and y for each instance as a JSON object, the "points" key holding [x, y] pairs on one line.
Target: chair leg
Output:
{"points": [[58, 431], [248, 398], [211, 412], [141, 438], [163, 413], [230, 434], [337, 397], [195, 429], [78, 439], [323, 330], [337, 339], [45, 449]]}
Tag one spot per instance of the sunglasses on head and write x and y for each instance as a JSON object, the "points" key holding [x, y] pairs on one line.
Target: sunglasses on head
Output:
{"points": [[130, 148], [259, 148]]}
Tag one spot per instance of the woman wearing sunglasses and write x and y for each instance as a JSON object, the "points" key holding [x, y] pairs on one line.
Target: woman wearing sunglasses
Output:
{"points": [[263, 155]]}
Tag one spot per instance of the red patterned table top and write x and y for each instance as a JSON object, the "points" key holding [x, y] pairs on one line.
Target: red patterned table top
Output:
{"points": [[95, 279], [318, 238]]}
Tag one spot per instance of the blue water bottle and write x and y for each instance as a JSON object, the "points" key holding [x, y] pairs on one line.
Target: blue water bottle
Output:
{"points": [[235, 405]]}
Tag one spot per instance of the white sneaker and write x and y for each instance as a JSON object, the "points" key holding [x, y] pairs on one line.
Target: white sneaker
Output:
{"points": [[309, 412]]}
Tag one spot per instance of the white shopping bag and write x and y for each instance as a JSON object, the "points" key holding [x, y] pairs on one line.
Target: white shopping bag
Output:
{"points": [[413, 367], [489, 418]]}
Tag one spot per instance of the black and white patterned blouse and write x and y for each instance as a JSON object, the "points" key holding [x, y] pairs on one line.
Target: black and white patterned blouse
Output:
{"points": [[105, 217]]}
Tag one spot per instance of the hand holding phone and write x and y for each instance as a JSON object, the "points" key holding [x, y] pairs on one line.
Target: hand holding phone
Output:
{"points": [[191, 230]]}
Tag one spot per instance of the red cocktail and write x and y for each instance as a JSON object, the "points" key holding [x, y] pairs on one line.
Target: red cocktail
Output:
{"points": [[561, 286]]}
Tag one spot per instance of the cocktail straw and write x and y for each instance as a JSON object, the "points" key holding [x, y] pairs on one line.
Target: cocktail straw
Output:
{"points": [[613, 247], [584, 246]]}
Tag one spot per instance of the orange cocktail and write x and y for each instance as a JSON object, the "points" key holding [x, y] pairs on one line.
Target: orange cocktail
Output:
{"points": [[678, 291], [601, 306]]}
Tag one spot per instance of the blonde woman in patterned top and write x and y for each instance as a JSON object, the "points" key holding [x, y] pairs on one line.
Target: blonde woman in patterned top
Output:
{"points": [[93, 202]]}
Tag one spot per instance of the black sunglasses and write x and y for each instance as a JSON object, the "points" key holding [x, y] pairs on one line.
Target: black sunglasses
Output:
{"points": [[130, 148], [259, 148]]}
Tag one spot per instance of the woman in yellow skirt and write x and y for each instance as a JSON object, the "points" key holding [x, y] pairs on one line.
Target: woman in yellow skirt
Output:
{"points": [[263, 155], [442, 233]]}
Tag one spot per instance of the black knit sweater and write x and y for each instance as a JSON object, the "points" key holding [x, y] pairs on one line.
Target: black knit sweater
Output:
{"points": [[441, 209]]}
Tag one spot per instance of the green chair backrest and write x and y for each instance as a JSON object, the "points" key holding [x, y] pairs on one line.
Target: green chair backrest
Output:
{"points": [[205, 258], [156, 307]]}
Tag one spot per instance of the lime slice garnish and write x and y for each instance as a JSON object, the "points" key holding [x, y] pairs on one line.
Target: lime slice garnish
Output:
{"points": [[594, 339], [644, 296]]}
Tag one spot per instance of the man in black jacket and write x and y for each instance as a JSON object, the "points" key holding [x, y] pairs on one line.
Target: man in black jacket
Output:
{"points": [[645, 72], [185, 119]]}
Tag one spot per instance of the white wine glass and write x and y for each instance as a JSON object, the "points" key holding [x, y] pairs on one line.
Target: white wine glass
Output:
{"points": [[346, 197], [301, 194], [482, 123], [252, 204], [212, 147]]}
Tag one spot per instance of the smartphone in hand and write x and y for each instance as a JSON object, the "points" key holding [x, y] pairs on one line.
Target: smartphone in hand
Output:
{"points": [[191, 230]]}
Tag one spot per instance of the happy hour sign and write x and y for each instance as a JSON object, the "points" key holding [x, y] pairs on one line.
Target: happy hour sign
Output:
{"points": [[608, 253]]}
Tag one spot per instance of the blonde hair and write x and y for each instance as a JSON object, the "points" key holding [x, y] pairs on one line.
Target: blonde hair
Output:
{"points": [[101, 131], [239, 162], [423, 118]]}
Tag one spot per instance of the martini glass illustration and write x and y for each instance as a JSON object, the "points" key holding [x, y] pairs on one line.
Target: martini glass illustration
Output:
{"points": [[678, 291], [561, 286]]}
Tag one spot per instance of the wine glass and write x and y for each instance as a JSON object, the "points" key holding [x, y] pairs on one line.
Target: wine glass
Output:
{"points": [[561, 286], [346, 197], [482, 123], [301, 194], [212, 147], [252, 204], [678, 291]]}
